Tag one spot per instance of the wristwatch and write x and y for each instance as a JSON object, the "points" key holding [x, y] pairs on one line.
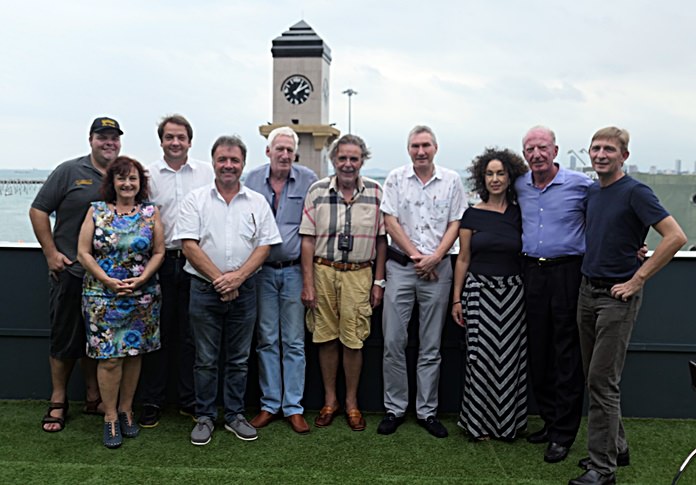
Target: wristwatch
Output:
{"points": [[380, 283]]}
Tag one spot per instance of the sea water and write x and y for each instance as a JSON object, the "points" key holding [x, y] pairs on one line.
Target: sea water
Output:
{"points": [[16, 197]]}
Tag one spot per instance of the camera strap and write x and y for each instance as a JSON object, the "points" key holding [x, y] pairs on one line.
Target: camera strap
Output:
{"points": [[346, 231]]}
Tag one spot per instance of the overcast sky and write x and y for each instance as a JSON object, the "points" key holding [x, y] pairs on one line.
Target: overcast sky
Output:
{"points": [[479, 72]]}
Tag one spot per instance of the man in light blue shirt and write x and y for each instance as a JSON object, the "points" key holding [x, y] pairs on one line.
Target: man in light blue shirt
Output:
{"points": [[553, 201], [280, 327]]}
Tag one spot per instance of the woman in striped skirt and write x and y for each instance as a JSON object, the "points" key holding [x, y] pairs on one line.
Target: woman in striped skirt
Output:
{"points": [[489, 302]]}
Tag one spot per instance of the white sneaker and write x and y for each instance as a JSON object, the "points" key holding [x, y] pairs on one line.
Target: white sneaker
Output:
{"points": [[241, 428], [203, 431]]}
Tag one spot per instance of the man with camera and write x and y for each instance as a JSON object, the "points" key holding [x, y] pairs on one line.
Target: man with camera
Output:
{"points": [[342, 235]]}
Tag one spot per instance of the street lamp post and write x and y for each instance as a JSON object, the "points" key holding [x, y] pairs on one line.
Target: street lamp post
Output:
{"points": [[350, 92]]}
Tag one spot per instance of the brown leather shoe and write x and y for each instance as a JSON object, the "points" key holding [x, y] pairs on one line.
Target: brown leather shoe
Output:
{"points": [[326, 416], [356, 420], [298, 423], [263, 419]]}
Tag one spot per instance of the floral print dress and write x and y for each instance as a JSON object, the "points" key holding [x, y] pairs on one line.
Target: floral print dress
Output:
{"points": [[120, 326]]}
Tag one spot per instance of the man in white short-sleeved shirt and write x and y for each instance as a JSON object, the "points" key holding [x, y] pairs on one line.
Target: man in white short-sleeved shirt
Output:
{"points": [[422, 206], [226, 231]]}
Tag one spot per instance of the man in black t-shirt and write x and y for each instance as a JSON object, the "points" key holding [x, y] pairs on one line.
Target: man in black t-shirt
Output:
{"points": [[67, 192], [620, 211]]}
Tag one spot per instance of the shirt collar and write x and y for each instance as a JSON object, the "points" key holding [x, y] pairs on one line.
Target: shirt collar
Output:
{"points": [[559, 179], [163, 166], [360, 186], [291, 176], [243, 191], [437, 173]]}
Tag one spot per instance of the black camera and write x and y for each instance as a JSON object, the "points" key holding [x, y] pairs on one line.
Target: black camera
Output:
{"points": [[345, 242]]}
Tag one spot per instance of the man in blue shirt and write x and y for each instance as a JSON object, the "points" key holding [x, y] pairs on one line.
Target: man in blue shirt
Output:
{"points": [[280, 327], [620, 211], [553, 200]]}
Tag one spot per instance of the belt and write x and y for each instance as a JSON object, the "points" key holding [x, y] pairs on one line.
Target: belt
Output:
{"points": [[202, 280], [337, 265], [604, 283], [174, 254], [282, 264], [551, 261]]}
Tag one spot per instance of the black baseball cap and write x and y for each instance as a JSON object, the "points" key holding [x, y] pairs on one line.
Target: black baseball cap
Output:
{"points": [[105, 123]]}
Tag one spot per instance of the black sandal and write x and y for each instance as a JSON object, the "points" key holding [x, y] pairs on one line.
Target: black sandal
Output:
{"points": [[92, 407], [48, 419]]}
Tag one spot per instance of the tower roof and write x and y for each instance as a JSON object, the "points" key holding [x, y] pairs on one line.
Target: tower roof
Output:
{"points": [[300, 41]]}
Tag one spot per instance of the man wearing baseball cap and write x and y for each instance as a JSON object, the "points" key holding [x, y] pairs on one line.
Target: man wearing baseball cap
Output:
{"points": [[68, 192]]}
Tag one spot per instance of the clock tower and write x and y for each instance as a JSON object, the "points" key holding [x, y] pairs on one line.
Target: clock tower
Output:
{"points": [[301, 61]]}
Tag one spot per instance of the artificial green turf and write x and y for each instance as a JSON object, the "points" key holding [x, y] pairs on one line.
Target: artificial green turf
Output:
{"points": [[331, 455]]}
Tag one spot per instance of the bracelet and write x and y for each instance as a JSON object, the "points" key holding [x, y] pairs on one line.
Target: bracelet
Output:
{"points": [[459, 301]]}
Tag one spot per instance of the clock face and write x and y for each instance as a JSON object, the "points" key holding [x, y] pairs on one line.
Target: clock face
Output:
{"points": [[296, 89]]}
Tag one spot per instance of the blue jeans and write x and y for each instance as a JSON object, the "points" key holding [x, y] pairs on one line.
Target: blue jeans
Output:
{"points": [[221, 328], [280, 330], [605, 326]]}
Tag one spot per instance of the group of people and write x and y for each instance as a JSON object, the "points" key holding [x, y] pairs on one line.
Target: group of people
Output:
{"points": [[550, 275], [173, 267]]}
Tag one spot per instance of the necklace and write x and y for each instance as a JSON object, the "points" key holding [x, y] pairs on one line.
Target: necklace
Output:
{"points": [[122, 214]]}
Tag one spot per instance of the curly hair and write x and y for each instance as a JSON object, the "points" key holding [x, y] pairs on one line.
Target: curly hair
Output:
{"points": [[122, 166], [349, 140], [514, 166]]}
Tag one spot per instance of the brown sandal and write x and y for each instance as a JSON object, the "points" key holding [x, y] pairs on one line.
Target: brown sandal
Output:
{"points": [[48, 419], [92, 407]]}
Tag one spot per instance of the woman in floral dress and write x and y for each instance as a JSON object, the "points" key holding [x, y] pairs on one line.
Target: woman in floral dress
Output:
{"points": [[121, 246]]}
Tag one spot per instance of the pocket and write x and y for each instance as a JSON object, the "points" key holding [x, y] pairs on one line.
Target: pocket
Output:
{"points": [[294, 208], [441, 209], [200, 287], [248, 228], [309, 320], [362, 330]]}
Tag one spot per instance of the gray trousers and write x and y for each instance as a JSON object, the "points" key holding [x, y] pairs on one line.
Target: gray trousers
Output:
{"points": [[605, 325], [403, 289]]}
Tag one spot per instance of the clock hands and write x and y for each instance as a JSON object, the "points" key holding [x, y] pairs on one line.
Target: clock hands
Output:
{"points": [[297, 89], [303, 85]]}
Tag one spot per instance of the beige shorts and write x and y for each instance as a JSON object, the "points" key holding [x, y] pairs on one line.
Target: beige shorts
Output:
{"points": [[343, 306]]}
